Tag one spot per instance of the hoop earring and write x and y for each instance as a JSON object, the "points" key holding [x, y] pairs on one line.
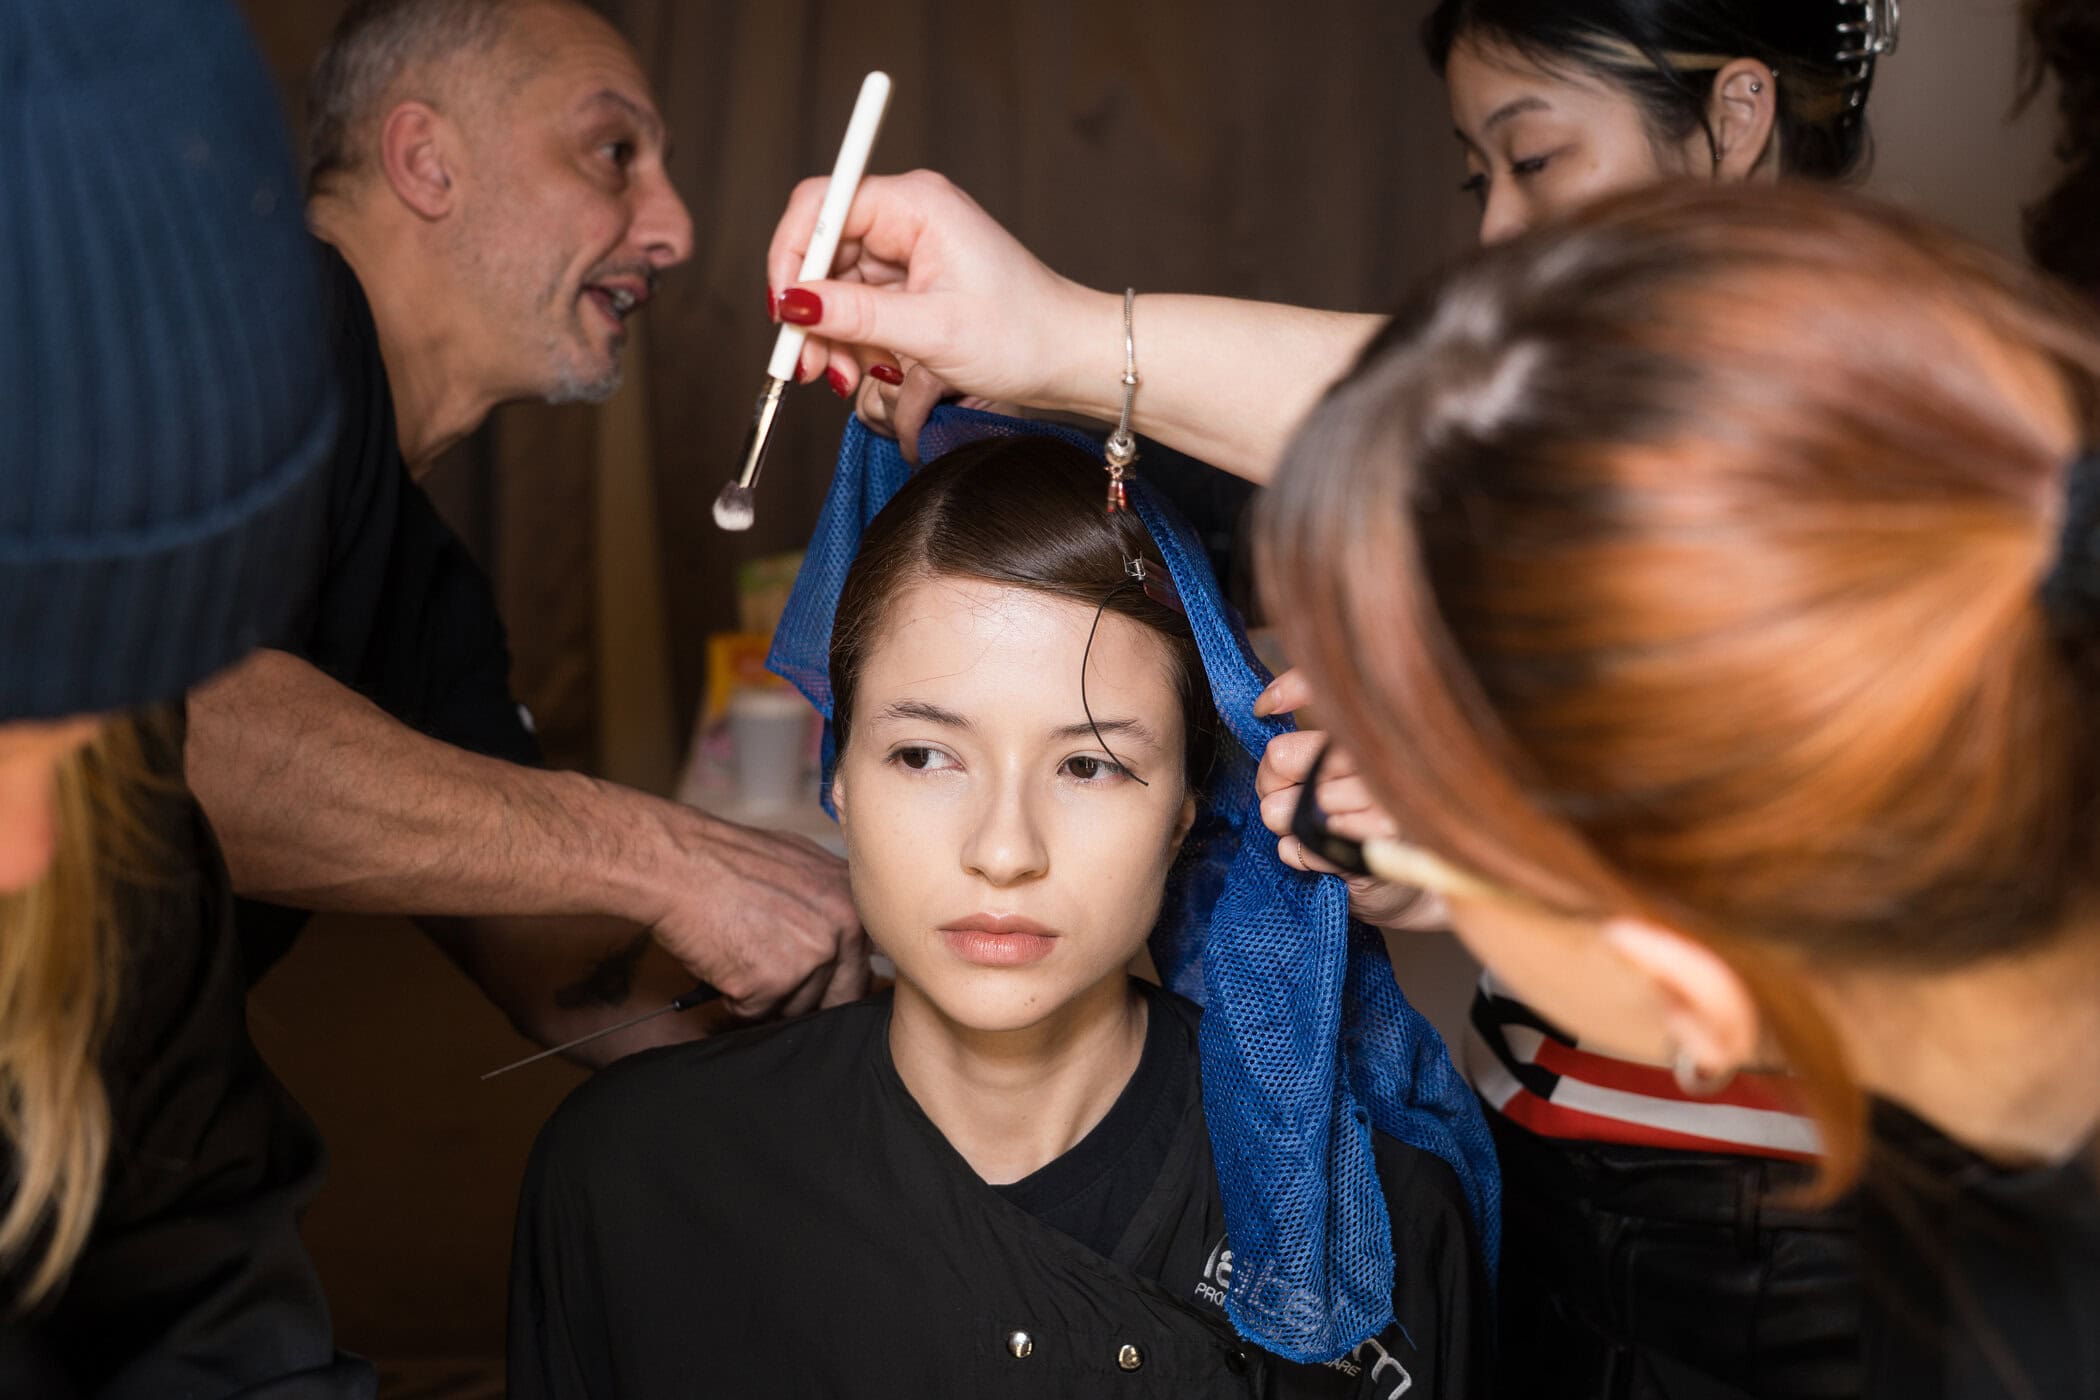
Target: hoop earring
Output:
{"points": [[1696, 1082]]}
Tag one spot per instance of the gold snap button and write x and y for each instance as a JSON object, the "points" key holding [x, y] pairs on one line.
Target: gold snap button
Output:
{"points": [[1129, 1358], [1020, 1344]]}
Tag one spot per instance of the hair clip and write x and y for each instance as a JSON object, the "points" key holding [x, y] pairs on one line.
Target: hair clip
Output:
{"points": [[1121, 448], [1158, 587], [2071, 591], [1874, 35]]}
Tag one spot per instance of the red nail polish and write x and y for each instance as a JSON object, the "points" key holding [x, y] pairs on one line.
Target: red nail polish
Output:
{"points": [[772, 305], [837, 379], [801, 307], [888, 374]]}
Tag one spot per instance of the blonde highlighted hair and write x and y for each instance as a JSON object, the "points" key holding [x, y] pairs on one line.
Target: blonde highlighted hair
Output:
{"points": [[61, 951]]}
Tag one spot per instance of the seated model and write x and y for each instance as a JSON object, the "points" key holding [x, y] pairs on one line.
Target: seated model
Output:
{"points": [[996, 1180]]}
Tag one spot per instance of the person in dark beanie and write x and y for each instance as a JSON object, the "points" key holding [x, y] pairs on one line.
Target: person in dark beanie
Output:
{"points": [[488, 176], [169, 414]]}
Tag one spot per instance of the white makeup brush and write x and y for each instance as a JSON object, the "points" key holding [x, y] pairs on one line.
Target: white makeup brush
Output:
{"points": [[734, 508]]}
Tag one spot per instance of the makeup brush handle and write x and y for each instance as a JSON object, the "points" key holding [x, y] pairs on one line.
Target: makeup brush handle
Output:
{"points": [[852, 163], [787, 351]]}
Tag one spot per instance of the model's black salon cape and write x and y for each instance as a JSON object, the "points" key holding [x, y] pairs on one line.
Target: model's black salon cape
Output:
{"points": [[771, 1214]]}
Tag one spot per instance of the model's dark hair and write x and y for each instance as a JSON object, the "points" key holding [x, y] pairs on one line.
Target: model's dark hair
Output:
{"points": [[1024, 511], [1684, 560], [2063, 228], [1666, 53]]}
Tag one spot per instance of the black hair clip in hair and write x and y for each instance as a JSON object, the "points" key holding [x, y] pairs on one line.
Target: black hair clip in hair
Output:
{"points": [[2071, 592]]}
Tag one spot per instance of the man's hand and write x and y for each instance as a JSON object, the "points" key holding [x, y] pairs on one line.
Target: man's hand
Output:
{"points": [[765, 917], [323, 801]]}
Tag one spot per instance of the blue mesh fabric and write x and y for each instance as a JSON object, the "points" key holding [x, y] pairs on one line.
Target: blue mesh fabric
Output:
{"points": [[1307, 1042]]}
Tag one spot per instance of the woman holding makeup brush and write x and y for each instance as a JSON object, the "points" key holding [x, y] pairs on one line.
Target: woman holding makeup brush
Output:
{"points": [[1647, 1252]]}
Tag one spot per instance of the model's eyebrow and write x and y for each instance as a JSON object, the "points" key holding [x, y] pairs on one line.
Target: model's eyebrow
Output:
{"points": [[652, 125], [1511, 110], [1135, 730], [925, 713]]}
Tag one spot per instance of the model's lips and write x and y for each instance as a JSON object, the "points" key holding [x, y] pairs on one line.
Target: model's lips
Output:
{"points": [[998, 923], [998, 940]]}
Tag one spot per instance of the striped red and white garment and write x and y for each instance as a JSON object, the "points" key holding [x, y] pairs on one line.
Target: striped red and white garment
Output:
{"points": [[1547, 1082]]}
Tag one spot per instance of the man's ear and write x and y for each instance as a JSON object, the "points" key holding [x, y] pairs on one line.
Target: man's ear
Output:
{"points": [[416, 148], [1708, 1012], [1744, 118]]}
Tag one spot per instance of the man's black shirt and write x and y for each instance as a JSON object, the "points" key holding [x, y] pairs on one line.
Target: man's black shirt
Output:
{"points": [[398, 610], [770, 1213]]}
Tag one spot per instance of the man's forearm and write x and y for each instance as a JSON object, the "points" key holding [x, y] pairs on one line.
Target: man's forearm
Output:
{"points": [[324, 801]]}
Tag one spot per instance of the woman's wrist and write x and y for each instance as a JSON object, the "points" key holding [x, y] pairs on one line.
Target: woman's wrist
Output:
{"points": [[1086, 353]]}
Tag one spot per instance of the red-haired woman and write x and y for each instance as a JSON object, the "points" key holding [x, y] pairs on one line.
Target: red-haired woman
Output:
{"points": [[1710, 589]]}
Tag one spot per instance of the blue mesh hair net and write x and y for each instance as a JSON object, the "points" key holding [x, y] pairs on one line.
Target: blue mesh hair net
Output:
{"points": [[1307, 1043]]}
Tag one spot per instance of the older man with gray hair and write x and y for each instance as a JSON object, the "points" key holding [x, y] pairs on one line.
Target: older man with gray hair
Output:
{"points": [[488, 177]]}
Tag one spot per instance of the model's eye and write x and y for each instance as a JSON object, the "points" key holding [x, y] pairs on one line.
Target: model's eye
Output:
{"points": [[1089, 769], [1475, 185], [1525, 169], [620, 153], [921, 759]]}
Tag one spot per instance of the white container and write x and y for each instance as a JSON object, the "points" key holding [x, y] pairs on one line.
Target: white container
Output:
{"points": [[770, 732]]}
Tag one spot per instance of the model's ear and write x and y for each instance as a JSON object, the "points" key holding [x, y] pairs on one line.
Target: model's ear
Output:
{"points": [[1709, 1017], [838, 791], [417, 149], [1184, 822], [1743, 117]]}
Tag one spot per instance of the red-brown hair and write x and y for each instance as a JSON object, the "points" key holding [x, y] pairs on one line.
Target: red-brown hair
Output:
{"points": [[1682, 561]]}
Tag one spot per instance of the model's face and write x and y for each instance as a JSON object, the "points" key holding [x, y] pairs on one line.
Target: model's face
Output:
{"points": [[998, 853], [569, 216], [1538, 143], [30, 755]]}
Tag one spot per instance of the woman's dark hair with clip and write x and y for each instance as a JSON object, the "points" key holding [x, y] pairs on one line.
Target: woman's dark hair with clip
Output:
{"points": [[1025, 512], [1666, 53]]}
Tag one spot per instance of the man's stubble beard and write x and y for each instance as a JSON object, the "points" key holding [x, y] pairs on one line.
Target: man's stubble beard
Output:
{"points": [[569, 386], [507, 280]]}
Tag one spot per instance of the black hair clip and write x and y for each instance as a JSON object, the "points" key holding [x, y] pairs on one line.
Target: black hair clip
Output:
{"points": [[2071, 592]]}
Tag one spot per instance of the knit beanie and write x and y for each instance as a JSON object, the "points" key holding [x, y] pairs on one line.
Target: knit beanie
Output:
{"points": [[166, 405]]}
